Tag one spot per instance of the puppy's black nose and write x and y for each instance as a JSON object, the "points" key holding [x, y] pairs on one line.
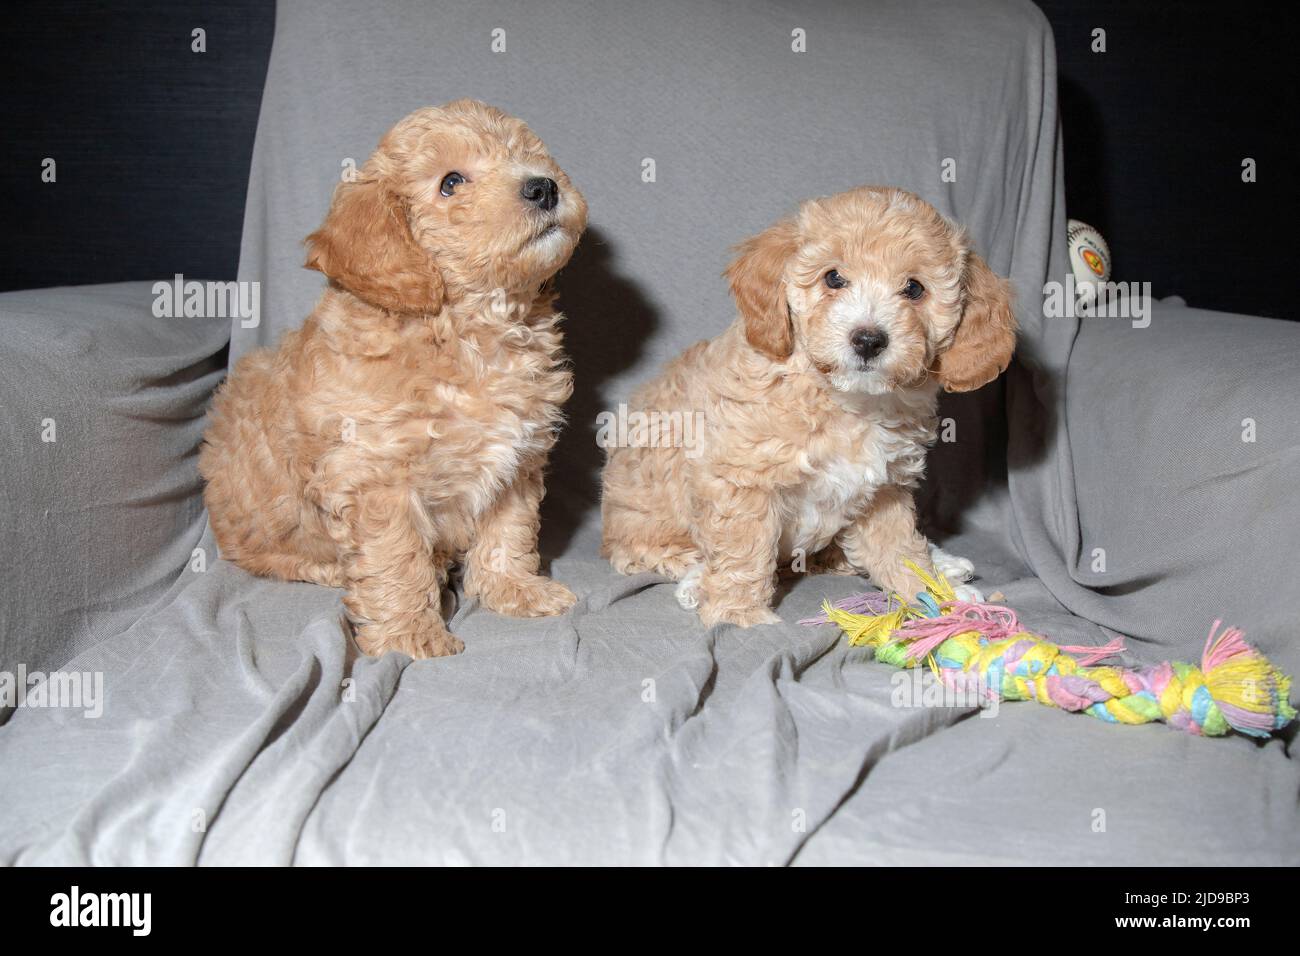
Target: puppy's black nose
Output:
{"points": [[541, 192], [868, 343]]}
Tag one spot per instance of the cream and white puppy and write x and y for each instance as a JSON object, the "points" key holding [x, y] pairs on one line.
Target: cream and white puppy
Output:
{"points": [[818, 404]]}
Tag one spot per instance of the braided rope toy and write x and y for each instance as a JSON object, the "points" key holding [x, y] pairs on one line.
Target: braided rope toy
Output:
{"points": [[983, 648]]}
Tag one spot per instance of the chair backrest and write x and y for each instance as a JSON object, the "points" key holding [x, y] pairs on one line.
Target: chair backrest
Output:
{"points": [[688, 126]]}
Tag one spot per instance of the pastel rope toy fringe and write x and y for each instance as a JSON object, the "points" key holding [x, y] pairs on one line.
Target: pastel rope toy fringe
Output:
{"points": [[982, 649]]}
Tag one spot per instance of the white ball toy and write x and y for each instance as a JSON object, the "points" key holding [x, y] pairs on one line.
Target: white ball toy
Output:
{"points": [[1089, 259]]}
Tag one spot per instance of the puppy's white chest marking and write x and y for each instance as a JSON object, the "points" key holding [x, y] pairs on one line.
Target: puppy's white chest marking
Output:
{"points": [[840, 485], [816, 510]]}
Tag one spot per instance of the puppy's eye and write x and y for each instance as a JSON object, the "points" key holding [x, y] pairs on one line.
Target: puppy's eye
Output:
{"points": [[835, 281], [450, 182], [913, 289]]}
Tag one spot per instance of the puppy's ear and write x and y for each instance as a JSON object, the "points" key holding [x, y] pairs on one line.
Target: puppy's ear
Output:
{"points": [[757, 277], [365, 246], [986, 336]]}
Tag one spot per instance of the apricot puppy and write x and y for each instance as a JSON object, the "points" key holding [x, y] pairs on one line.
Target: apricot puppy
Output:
{"points": [[407, 424], [816, 408]]}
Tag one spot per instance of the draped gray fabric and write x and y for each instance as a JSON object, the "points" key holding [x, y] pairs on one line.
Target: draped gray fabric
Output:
{"points": [[240, 726], [103, 408]]}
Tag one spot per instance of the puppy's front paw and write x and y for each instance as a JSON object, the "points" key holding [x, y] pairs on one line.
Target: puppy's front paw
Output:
{"points": [[688, 588], [969, 593], [951, 566], [740, 616], [533, 596], [420, 636]]}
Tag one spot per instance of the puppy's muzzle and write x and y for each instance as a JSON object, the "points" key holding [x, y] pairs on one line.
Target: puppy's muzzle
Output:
{"points": [[868, 343], [541, 192]]}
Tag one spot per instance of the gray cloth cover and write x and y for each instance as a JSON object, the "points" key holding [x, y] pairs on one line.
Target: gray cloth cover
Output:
{"points": [[241, 726], [103, 409]]}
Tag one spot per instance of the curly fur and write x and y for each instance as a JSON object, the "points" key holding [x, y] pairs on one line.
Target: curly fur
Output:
{"points": [[810, 450], [407, 423]]}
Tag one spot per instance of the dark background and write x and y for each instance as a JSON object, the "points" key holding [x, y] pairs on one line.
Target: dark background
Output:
{"points": [[153, 142]]}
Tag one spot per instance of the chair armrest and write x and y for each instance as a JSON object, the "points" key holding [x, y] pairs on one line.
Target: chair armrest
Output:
{"points": [[103, 413], [1185, 438]]}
